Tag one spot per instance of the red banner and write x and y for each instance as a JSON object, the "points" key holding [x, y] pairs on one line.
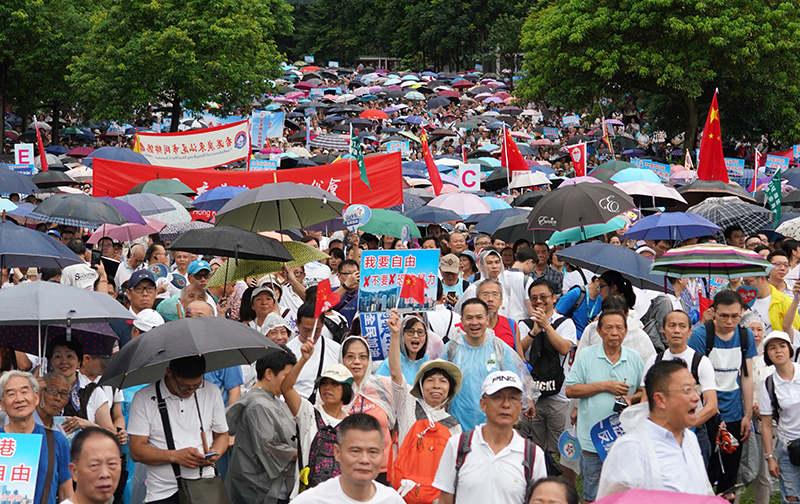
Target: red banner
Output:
{"points": [[115, 178]]}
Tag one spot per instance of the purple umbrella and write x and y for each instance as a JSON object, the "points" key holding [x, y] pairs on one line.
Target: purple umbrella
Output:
{"points": [[126, 209], [633, 152], [579, 180], [493, 99]]}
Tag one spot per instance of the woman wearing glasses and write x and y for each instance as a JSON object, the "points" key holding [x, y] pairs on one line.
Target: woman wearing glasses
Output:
{"points": [[414, 352]]}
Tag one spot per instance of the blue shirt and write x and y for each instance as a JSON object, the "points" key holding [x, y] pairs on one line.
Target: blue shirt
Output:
{"points": [[60, 471], [226, 379], [584, 313], [407, 366], [726, 357]]}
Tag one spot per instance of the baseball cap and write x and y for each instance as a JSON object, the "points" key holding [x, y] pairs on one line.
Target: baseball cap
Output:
{"points": [[499, 380], [776, 335], [471, 255], [55, 233], [449, 264], [197, 266], [147, 319], [259, 290], [337, 373], [138, 276]]}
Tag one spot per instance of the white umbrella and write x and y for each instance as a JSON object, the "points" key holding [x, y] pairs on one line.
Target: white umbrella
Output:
{"points": [[529, 180], [81, 174], [651, 190], [461, 203]]}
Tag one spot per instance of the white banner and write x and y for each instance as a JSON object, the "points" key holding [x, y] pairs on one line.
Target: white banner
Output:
{"points": [[200, 148], [469, 177]]}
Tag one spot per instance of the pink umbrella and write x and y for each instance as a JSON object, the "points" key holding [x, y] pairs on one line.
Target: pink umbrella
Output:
{"points": [[304, 85], [503, 95], [638, 496], [683, 176], [446, 189], [80, 151], [520, 134], [615, 122], [580, 180], [273, 150], [127, 232], [295, 94], [361, 91], [481, 96], [541, 141], [493, 99]]}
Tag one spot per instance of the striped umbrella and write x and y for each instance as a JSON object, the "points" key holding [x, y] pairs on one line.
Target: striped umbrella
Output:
{"points": [[233, 270], [77, 210], [710, 260], [174, 230], [332, 142], [176, 214], [732, 211]]}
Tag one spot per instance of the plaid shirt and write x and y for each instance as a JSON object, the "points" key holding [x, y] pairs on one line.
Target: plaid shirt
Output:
{"points": [[554, 277]]}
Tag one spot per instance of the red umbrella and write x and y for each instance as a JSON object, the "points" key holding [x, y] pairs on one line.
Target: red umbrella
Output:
{"points": [[373, 114], [80, 151], [310, 68], [449, 92], [463, 84]]}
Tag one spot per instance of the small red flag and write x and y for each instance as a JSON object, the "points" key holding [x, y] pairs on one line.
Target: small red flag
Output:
{"points": [[578, 154], [326, 298], [711, 161], [704, 304], [512, 158], [413, 289], [42, 153], [433, 171]]}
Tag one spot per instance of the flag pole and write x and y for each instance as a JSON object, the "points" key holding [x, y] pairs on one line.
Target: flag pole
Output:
{"points": [[505, 155], [350, 163]]}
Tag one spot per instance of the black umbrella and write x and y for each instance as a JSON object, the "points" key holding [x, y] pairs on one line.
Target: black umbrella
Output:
{"points": [[224, 343], [496, 180], [437, 102], [529, 199], [699, 190], [579, 205], [13, 182], [516, 228], [77, 210], [52, 178], [231, 241], [21, 247]]}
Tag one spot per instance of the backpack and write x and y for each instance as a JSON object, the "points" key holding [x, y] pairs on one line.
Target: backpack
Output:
{"points": [[744, 342], [545, 363], [84, 395], [321, 463], [694, 367], [653, 320], [578, 302], [339, 330], [465, 446], [418, 457], [773, 397]]}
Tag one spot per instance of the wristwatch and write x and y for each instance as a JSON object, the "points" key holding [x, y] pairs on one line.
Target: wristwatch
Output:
{"points": [[769, 456]]}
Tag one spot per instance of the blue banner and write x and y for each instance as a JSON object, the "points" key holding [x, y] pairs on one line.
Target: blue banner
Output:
{"points": [[796, 152], [263, 165], [19, 464], [604, 433], [571, 120], [375, 330], [382, 274], [265, 125], [660, 169], [551, 133], [735, 167], [315, 93], [775, 163], [25, 169], [404, 148]]}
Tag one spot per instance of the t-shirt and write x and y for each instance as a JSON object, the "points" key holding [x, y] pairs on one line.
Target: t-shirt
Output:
{"points": [[330, 492], [583, 314], [726, 357], [79, 275], [60, 471], [761, 308], [226, 379], [505, 332], [574, 278], [705, 371]]}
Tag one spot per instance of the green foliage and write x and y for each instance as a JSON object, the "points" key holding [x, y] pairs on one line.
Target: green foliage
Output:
{"points": [[674, 53], [187, 52]]}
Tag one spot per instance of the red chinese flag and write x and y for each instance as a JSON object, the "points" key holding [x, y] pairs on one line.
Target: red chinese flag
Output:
{"points": [[42, 154], [511, 156], [711, 162], [413, 289], [433, 171], [578, 154], [704, 304], [326, 298]]}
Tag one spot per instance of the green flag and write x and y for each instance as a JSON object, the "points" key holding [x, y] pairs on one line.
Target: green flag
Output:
{"points": [[356, 152], [773, 196]]}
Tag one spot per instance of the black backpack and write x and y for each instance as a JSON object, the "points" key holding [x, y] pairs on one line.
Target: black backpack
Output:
{"points": [[744, 342], [578, 301], [547, 365], [694, 366]]}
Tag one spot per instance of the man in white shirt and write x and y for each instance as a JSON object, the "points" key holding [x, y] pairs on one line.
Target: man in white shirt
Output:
{"points": [[659, 452], [493, 470], [359, 451], [326, 351], [80, 275], [134, 263], [194, 454]]}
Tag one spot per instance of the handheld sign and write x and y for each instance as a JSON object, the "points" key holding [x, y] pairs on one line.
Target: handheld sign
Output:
{"points": [[356, 216], [604, 433], [405, 235], [748, 295]]}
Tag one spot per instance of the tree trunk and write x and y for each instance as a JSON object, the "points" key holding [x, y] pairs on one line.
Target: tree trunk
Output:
{"points": [[176, 114], [56, 123], [690, 136], [3, 74]]}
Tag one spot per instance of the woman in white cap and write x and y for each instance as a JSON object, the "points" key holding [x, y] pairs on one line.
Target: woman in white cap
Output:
{"points": [[263, 301], [317, 423], [779, 401]]}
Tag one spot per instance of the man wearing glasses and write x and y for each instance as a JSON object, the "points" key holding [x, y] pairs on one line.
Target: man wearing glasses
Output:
{"points": [[189, 400], [141, 291], [733, 367], [199, 273]]}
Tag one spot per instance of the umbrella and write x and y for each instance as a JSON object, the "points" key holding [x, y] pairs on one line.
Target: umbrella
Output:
{"points": [[672, 226], [332, 142], [373, 114], [52, 178], [410, 202], [461, 203], [420, 193], [283, 205], [174, 230], [13, 182], [162, 186], [488, 223], [638, 496], [699, 190], [52, 161], [601, 257], [77, 210], [176, 214], [529, 199], [586, 232], [145, 360], [80, 174], [181, 199], [731, 211], [615, 166], [495, 203], [432, 215], [529, 180], [710, 260], [635, 174], [126, 232], [116, 154], [790, 228], [80, 151], [216, 198], [23, 247], [581, 180], [388, 223], [131, 214], [233, 270], [229, 241], [653, 194], [45, 303], [579, 205], [95, 338], [146, 204], [516, 227]]}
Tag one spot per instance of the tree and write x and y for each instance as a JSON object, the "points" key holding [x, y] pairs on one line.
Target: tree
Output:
{"points": [[186, 53], [676, 52]]}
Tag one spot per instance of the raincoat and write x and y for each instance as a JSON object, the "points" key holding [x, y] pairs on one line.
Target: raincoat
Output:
{"points": [[513, 307], [433, 349]]}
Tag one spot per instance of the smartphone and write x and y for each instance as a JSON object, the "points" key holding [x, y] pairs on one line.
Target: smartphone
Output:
{"points": [[210, 455], [96, 255], [732, 489]]}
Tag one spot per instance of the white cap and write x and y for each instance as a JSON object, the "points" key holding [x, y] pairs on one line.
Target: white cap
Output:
{"points": [[499, 380], [147, 319], [273, 321]]}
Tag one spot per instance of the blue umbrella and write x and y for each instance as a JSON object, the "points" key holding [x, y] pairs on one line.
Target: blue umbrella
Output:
{"points": [[634, 174], [431, 215], [216, 198], [414, 119], [490, 222], [496, 203], [600, 257], [13, 182], [410, 202], [672, 226], [22, 247], [56, 149], [409, 171], [115, 154]]}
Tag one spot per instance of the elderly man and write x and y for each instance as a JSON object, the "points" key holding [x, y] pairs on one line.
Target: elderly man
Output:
{"points": [[659, 451], [95, 466], [20, 395], [126, 269]]}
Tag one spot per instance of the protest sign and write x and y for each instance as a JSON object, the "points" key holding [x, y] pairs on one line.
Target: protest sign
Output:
{"points": [[19, 465], [197, 149], [796, 153], [308, 59], [23, 153], [604, 433], [376, 331], [263, 165], [660, 169], [333, 64], [403, 147], [469, 177], [571, 120], [551, 133], [775, 163], [265, 125], [25, 169], [382, 275], [735, 167]]}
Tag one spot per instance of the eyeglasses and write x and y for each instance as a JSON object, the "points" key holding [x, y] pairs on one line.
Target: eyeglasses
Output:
{"points": [[725, 316], [781, 265], [543, 297], [56, 393], [491, 295], [418, 332], [602, 286], [189, 388], [203, 275], [141, 288], [687, 390]]}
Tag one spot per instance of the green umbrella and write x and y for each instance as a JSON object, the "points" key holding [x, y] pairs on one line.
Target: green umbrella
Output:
{"points": [[72, 130], [584, 233], [233, 270], [602, 175], [163, 186], [388, 223], [616, 166]]}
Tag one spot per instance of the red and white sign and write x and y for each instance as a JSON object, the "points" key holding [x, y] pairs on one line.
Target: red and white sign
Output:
{"points": [[469, 177], [197, 149], [23, 154], [578, 154]]}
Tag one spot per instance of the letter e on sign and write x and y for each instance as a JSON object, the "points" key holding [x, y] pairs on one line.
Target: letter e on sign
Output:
{"points": [[469, 177]]}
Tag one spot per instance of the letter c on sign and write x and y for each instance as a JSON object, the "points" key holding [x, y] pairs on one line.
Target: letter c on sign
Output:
{"points": [[468, 178]]}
